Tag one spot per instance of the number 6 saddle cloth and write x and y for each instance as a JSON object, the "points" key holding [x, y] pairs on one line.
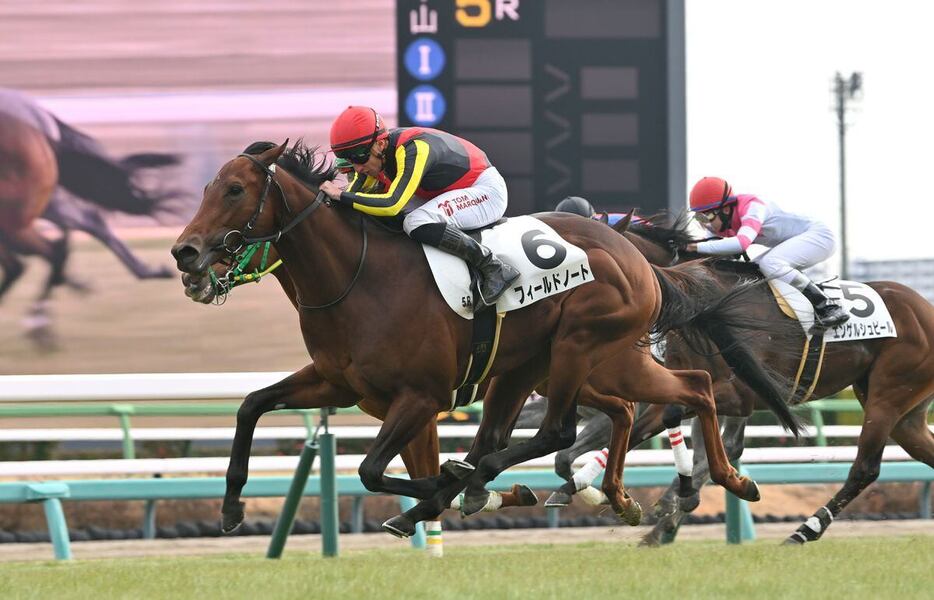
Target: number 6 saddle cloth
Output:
{"points": [[869, 318], [548, 265]]}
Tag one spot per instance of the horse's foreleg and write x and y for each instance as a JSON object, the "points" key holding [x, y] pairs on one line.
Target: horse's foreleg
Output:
{"points": [[501, 406], [595, 435], [303, 389], [407, 415]]}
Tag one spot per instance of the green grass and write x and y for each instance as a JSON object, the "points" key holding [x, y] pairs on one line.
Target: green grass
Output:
{"points": [[848, 568]]}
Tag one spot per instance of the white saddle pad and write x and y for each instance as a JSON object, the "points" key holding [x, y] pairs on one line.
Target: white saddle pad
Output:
{"points": [[869, 317], [548, 266]]}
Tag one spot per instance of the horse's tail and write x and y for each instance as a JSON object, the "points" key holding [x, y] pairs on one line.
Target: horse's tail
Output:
{"points": [[695, 305], [87, 171]]}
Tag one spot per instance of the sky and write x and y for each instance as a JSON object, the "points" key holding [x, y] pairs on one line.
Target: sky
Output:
{"points": [[760, 111]]}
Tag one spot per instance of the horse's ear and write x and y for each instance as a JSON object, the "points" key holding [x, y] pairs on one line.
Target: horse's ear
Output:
{"points": [[604, 218], [623, 224], [272, 155]]}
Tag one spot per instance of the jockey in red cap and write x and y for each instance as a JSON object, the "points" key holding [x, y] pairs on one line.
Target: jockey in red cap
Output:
{"points": [[441, 183], [796, 241]]}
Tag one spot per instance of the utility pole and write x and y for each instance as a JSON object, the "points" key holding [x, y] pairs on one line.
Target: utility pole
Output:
{"points": [[844, 90]]}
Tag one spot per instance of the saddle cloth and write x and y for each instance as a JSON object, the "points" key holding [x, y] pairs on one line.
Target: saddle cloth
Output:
{"points": [[548, 265], [869, 317]]}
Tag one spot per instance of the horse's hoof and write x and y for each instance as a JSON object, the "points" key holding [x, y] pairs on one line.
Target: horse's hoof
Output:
{"points": [[631, 514], [473, 503], [751, 491], [232, 518], [794, 540], [558, 499], [524, 495], [457, 469], [688, 503], [400, 526]]}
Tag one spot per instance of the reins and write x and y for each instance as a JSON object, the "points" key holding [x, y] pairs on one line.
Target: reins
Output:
{"points": [[242, 256]]}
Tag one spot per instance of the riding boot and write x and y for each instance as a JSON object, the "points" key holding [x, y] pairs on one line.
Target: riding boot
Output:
{"points": [[495, 275], [827, 313]]}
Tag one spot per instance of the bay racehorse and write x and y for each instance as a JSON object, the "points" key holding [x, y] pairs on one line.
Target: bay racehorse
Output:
{"points": [[893, 378], [376, 327], [42, 158], [420, 455]]}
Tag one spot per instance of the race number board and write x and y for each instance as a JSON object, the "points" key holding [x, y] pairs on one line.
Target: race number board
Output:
{"points": [[567, 97]]}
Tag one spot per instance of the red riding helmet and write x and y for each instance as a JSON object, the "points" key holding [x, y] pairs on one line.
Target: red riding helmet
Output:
{"points": [[356, 126], [710, 193]]}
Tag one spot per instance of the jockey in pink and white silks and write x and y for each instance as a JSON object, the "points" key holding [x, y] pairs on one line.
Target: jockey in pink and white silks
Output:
{"points": [[795, 241]]}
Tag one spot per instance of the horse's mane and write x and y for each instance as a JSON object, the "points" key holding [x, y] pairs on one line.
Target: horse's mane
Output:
{"points": [[304, 162], [738, 267], [656, 229]]}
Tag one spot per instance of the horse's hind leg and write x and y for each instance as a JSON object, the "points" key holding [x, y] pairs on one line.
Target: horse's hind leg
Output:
{"points": [[303, 389], [913, 434], [670, 508], [501, 406]]}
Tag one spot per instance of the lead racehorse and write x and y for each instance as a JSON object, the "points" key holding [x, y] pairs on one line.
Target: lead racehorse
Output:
{"points": [[376, 327]]}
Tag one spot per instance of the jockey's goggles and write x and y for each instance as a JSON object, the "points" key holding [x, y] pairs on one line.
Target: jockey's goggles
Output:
{"points": [[707, 216], [357, 156]]}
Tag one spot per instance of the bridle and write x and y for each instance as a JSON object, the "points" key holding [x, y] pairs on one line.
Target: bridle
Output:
{"points": [[246, 240]]}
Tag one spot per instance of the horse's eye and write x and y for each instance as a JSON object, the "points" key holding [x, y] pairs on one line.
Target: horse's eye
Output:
{"points": [[235, 190]]}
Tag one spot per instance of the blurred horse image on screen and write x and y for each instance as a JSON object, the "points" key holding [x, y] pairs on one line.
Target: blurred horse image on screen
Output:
{"points": [[52, 171]]}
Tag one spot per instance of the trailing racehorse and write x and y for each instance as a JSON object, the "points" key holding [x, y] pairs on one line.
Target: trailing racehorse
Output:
{"points": [[893, 379], [40, 159], [377, 328]]}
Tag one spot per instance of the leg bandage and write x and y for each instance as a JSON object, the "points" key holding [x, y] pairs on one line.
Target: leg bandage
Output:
{"points": [[586, 474], [683, 461], [434, 541]]}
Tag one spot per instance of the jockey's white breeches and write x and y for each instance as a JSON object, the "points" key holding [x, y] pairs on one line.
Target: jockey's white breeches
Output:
{"points": [[804, 250], [472, 207]]}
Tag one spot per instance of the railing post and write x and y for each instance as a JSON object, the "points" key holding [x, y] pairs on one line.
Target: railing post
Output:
{"points": [[925, 508], [817, 417], [356, 517], [123, 413], [739, 524], [58, 528], [330, 522], [292, 499], [418, 540], [553, 514], [149, 520]]}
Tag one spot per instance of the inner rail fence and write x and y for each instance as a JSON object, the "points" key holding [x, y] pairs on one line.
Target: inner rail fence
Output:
{"points": [[114, 392]]}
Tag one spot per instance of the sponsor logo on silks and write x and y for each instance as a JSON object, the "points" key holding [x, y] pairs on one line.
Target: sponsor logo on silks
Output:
{"points": [[449, 206]]}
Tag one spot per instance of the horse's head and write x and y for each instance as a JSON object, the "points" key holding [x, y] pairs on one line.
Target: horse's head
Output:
{"points": [[662, 242], [239, 203]]}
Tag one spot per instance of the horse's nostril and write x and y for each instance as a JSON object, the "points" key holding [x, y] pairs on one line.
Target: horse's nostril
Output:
{"points": [[185, 254]]}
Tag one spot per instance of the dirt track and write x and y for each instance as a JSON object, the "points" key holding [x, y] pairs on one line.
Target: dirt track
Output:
{"points": [[356, 542]]}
